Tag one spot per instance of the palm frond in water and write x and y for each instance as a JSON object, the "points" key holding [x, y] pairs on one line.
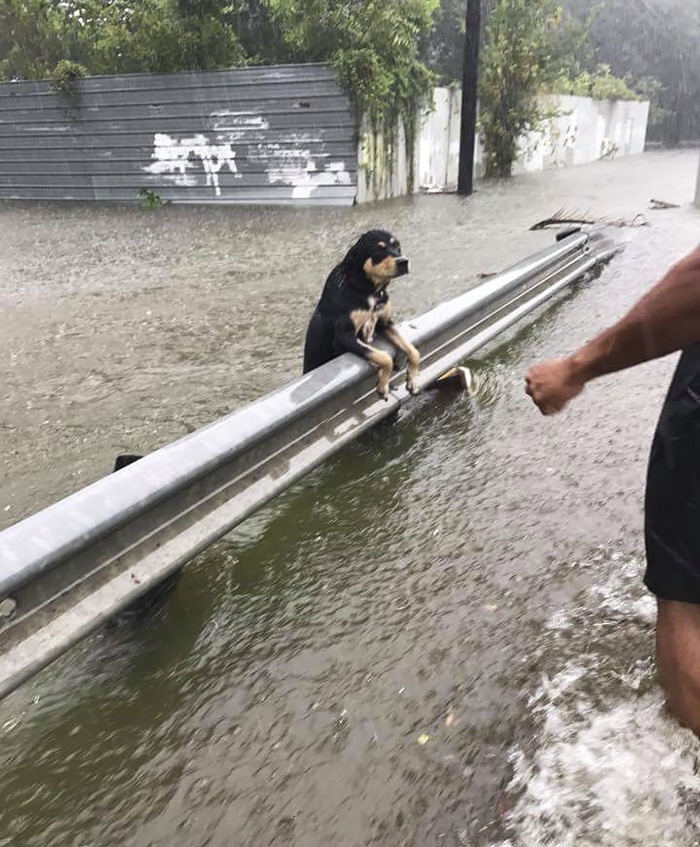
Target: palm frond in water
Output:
{"points": [[564, 216]]}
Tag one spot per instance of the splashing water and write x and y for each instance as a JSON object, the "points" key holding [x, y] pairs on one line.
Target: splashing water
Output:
{"points": [[610, 767]]}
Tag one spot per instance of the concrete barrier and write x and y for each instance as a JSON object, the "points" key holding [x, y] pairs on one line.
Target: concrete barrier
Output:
{"points": [[583, 131]]}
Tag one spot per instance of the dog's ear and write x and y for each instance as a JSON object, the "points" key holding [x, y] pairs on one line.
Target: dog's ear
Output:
{"points": [[360, 251], [350, 260]]}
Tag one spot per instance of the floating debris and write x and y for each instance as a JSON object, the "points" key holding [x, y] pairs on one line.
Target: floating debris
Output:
{"points": [[583, 218], [7, 607], [662, 204], [563, 217]]}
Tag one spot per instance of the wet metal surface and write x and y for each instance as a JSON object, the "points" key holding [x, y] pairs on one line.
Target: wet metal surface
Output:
{"points": [[277, 134], [453, 600]]}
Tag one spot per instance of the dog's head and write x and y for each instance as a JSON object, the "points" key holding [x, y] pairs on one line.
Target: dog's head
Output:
{"points": [[376, 255]]}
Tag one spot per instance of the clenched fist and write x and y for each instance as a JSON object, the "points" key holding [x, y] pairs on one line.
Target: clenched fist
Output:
{"points": [[552, 384]]}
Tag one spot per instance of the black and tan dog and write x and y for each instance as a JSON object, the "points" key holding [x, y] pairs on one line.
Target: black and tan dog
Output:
{"points": [[354, 306]]}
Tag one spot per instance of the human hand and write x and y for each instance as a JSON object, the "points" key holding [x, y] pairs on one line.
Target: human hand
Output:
{"points": [[553, 384]]}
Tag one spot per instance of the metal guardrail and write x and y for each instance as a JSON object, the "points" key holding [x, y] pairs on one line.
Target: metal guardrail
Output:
{"points": [[71, 567]]}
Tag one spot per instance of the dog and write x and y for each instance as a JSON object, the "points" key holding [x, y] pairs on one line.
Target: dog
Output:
{"points": [[354, 306]]}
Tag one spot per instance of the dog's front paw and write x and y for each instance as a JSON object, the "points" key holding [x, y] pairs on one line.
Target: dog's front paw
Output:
{"points": [[383, 384], [411, 384], [385, 366], [413, 357]]}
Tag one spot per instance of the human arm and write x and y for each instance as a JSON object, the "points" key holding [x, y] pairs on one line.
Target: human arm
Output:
{"points": [[666, 319]]}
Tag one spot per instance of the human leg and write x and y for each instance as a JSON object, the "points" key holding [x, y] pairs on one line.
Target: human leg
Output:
{"points": [[678, 659]]}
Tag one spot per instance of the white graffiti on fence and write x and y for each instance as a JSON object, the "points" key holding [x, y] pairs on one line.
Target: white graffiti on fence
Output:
{"points": [[172, 158], [305, 179], [286, 157]]}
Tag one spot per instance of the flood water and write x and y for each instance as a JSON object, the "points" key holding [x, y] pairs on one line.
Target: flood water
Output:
{"points": [[440, 637]]}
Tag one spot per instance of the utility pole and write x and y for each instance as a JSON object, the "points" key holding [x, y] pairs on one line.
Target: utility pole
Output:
{"points": [[470, 73], [697, 189]]}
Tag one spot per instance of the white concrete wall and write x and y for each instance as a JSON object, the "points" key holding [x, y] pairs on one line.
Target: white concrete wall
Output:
{"points": [[381, 173], [697, 189], [584, 131], [437, 150]]}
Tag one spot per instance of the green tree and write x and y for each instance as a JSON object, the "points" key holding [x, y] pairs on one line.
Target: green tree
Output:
{"points": [[374, 44], [519, 60], [599, 85], [32, 38], [444, 47], [654, 44], [259, 32], [155, 35], [115, 36]]}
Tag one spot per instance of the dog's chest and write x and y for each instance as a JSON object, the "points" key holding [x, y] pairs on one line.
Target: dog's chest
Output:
{"points": [[365, 320]]}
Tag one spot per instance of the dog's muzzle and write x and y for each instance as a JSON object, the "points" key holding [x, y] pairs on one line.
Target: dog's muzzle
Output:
{"points": [[401, 266]]}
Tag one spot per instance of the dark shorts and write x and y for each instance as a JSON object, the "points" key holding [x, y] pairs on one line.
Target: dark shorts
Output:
{"points": [[672, 506]]}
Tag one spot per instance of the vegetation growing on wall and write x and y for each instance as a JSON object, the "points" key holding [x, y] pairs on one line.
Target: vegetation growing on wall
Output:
{"points": [[65, 76], [650, 44], [532, 48], [599, 84], [374, 46], [518, 62]]}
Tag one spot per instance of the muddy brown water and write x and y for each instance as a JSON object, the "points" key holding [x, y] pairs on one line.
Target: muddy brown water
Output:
{"points": [[440, 637]]}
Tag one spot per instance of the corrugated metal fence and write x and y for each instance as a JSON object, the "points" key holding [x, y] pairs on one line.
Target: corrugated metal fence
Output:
{"points": [[281, 134]]}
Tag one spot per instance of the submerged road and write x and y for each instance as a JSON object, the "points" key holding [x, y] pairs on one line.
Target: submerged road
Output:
{"points": [[440, 637]]}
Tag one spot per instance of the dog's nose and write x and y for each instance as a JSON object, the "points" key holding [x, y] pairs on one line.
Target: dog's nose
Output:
{"points": [[401, 266]]}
